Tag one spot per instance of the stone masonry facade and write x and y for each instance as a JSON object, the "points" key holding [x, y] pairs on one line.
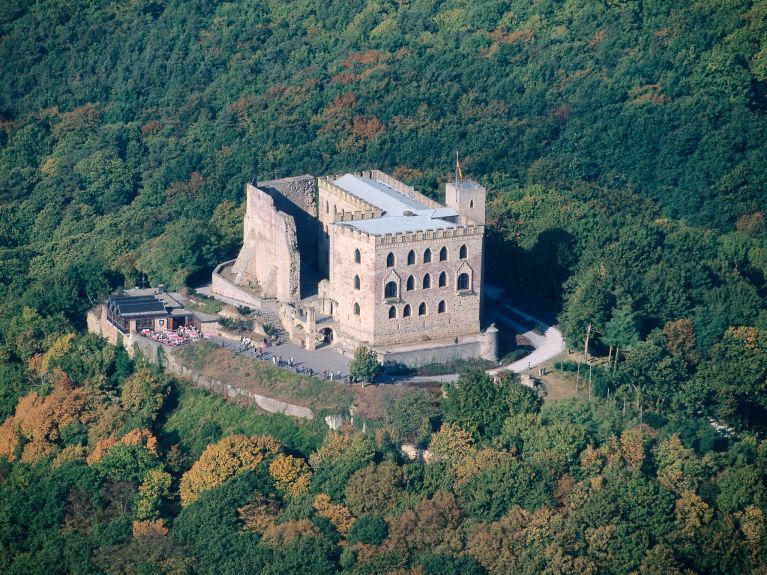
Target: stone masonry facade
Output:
{"points": [[391, 267]]}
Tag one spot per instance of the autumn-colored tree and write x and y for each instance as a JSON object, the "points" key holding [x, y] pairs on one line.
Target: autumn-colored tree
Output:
{"points": [[679, 468], [152, 492], [433, 524], [259, 513], [143, 395], [451, 445], [680, 340], [142, 437], [100, 450], [291, 474], [40, 364], [149, 528], [278, 535], [376, 489], [337, 514], [225, 459], [691, 513], [9, 438], [42, 417]]}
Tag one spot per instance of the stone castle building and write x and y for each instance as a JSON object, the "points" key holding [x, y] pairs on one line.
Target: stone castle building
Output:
{"points": [[365, 259]]}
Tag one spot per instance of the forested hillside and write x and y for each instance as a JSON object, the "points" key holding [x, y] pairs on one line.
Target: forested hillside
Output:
{"points": [[624, 147]]}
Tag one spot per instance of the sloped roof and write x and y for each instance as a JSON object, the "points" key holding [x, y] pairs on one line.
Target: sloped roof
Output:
{"points": [[130, 306], [391, 201]]}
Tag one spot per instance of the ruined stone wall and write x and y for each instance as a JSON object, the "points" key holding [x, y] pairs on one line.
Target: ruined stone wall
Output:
{"points": [[269, 258], [232, 392], [296, 197], [298, 191]]}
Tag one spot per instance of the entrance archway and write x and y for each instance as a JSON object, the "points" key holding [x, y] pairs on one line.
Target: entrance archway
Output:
{"points": [[327, 336]]}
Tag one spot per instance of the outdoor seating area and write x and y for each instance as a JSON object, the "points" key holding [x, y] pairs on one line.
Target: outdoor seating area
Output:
{"points": [[174, 338]]}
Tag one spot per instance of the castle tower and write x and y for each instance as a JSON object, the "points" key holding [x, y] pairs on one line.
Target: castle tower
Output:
{"points": [[467, 198]]}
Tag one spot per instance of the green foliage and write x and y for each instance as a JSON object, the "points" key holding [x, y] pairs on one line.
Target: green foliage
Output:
{"points": [[479, 404], [624, 147], [211, 529], [364, 366], [411, 415], [236, 324], [200, 418], [369, 529]]}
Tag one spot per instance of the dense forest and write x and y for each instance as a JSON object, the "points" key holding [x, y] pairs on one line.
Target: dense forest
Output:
{"points": [[624, 147]]}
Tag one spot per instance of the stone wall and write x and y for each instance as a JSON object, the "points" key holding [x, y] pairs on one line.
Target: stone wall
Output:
{"points": [[269, 258], [462, 309], [227, 390], [296, 197], [223, 286], [373, 325], [439, 353]]}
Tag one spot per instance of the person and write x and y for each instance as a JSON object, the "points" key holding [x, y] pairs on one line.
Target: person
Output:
{"points": [[311, 372]]}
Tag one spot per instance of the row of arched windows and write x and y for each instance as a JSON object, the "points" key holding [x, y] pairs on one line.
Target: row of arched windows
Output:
{"points": [[463, 282], [407, 310], [422, 310], [391, 260]]}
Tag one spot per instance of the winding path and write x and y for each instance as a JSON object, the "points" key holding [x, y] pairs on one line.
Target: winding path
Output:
{"points": [[547, 345]]}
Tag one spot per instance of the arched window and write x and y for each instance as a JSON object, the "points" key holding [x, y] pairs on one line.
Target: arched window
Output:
{"points": [[356, 308], [406, 311], [427, 256], [327, 207], [463, 281], [471, 203], [410, 284], [462, 252], [426, 281], [390, 260], [356, 282], [442, 279], [410, 258], [422, 309], [357, 256], [441, 307], [443, 254], [390, 290], [392, 312]]}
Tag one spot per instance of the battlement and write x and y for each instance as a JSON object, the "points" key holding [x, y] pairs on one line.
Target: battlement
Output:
{"points": [[428, 235], [410, 236], [327, 183], [347, 216]]}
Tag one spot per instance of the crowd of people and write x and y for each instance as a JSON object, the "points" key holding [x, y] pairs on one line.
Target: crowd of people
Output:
{"points": [[277, 360], [174, 338]]}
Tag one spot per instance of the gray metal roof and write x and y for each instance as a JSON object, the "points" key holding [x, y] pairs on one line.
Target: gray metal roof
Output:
{"points": [[128, 306], [391, 201], [398, 224]]}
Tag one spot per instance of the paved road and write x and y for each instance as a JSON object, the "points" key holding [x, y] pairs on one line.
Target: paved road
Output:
{"points": [[547, 345], [325, 358]]}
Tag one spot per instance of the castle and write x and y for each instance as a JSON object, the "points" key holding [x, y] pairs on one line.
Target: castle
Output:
{"points": [[365, 259]]}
